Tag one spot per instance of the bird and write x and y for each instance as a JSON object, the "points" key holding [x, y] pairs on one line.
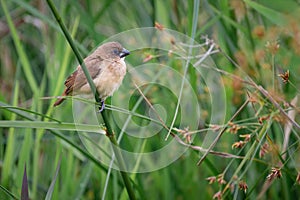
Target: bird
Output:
{"points": [[107, 69]]}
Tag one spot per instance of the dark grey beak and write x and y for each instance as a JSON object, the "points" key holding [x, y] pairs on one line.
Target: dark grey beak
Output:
{"points": [[124, 53]]}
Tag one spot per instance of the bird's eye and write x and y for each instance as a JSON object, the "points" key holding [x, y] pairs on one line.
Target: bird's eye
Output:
{"points": [[116, 51]]}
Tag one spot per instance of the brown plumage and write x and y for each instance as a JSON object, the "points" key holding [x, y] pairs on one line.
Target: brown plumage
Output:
{"points": [[107, 69]]}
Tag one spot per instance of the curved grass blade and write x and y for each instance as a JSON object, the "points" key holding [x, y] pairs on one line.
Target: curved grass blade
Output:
{"points": [[8, 193], [28, 111], [20, 50], [272, 15], [51, 188], [52, 125]]}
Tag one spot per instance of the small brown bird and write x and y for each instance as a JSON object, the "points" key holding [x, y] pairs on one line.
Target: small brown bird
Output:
{"points": [[107, 69]]}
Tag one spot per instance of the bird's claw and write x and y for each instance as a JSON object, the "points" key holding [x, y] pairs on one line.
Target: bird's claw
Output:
{"points": [[101, 108]]}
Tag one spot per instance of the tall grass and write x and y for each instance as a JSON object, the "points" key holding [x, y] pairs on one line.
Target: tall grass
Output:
{"points": [[257, 152]]}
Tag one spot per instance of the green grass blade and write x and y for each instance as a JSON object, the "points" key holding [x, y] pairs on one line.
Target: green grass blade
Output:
{"points": [[272, 15], [9, 108], [10, 148], [52, 126], [51, 188], [21, 53], [8, 193]]}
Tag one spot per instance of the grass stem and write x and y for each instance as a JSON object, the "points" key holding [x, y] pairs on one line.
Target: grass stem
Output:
{"points": [[109, 130]]}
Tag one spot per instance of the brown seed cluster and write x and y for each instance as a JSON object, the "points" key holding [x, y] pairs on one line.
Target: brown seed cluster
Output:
{"points": [[243, 186], [273, 46], [218, 195], [233, 128], [264, 149], [275, 173], [285, 76], [238, 145]]}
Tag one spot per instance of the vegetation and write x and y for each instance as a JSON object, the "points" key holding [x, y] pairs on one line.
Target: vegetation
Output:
{"points": [[212, 87]]}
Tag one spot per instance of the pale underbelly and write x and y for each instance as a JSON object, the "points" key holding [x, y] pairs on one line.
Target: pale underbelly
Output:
{"points": [[106, 83]]}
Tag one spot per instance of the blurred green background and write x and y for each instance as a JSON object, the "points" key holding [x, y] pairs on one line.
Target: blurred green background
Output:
{"points": [[258, 39]]}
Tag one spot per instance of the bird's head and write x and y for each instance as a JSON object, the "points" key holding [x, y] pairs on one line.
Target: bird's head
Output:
{"points": [[112, 50]]}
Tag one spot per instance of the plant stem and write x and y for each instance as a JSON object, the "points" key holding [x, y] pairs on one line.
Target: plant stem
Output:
{"points": [[109, 130]]}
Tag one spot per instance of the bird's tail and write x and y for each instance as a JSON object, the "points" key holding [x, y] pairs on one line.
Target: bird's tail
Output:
{"points": [[60, 100]]}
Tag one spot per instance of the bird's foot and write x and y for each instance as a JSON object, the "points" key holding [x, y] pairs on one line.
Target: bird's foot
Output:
{"points": [[101, 108]]}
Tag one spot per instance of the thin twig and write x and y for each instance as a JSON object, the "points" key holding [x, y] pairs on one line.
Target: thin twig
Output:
{"points": [[264, 92], [288, 127], [196, 6], [212, 145], [151, 106], [276, 104], [179, 140]]}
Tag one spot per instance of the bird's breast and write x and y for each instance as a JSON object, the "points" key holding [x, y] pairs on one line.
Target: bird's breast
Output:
{"points": [[110, 78]]}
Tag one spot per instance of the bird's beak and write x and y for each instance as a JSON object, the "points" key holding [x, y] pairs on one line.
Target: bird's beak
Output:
{"points": [[124, 53]]}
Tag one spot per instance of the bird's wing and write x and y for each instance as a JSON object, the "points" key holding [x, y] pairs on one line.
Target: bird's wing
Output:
{"points": [[77, 79]]}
